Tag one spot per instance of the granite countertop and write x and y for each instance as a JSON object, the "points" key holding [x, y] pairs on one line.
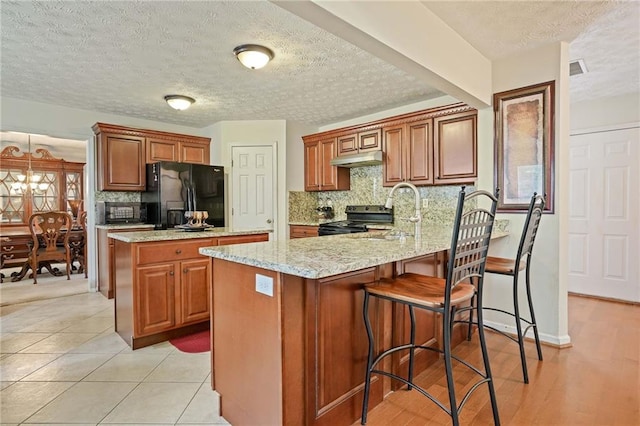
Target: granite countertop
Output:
{"points": [[126, 225], [320, 257], [174, 234]]}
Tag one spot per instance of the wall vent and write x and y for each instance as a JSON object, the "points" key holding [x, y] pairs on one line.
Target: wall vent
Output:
{"points": [[577, 67]]}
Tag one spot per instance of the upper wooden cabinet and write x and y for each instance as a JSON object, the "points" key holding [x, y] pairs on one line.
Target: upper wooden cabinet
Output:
{"points": [[124, 151], [455, 147], [408, 153], [352, 143], [319, 174], [181, 151], [437, 146], [432, 147]]}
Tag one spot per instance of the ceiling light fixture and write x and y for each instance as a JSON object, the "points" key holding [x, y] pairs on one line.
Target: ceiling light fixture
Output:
{"points": [[253, 56], [179, 102]]}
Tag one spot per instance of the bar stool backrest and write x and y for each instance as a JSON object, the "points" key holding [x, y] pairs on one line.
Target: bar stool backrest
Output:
{"points": [[531, 223], [471, 236]]}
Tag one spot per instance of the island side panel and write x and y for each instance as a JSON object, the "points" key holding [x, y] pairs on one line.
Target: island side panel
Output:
{"points": [[337, 348], [247, 344], [124, 321]]}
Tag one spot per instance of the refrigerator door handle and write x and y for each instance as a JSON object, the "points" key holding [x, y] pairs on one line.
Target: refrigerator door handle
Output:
{"points": [[193, 196]]}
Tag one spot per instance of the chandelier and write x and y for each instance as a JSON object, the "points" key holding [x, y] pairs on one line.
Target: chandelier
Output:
{"points": [[30, 182]]}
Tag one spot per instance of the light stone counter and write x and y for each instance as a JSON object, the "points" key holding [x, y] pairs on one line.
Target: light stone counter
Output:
{"points": [[174, 234], [320, 257]]}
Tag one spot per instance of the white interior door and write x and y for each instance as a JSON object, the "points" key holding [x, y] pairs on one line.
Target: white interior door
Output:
{"points": [[604, 221], [252, 182]]}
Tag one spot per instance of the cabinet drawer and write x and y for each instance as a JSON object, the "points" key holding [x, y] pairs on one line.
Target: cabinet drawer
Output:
{"points": [[170, 251]]}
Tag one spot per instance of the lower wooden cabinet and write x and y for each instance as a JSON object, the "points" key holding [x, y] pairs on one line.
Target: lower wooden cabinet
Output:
{"points": [[163, 288], [171, 295], [302, 231]]}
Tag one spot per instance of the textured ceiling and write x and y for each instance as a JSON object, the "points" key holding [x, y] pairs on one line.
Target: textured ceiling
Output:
{"points": [[606, 34], [122, 57]]}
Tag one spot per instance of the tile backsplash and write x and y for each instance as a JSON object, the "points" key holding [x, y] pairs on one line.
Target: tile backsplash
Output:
{"points": [[366, 188]]}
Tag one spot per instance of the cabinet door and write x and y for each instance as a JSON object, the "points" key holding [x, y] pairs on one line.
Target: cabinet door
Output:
{"points": [[161, 150], [329, 173], [370, 140], [311, 170], [155, 299], [394, 154], [419, 155], [194, 290], [194, 153], [347, 144], [332, 178], [122, 159], [455, 146]]}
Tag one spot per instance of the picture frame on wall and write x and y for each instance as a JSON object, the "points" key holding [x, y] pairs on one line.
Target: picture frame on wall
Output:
{"points": [[524, 144]]}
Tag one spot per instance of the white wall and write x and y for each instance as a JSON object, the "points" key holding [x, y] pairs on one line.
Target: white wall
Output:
{"points": [[418, 106], [549, 285], [613, 111]]}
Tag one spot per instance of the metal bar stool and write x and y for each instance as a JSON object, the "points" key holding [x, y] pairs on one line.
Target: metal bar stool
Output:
{"points": [[469, 247], [512, 267]]}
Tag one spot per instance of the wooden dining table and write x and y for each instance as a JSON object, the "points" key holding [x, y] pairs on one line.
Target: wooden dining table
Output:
{"points": [[16, 244]]}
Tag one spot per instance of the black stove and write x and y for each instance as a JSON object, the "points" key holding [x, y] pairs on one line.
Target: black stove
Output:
{"points": [[358, 217]]}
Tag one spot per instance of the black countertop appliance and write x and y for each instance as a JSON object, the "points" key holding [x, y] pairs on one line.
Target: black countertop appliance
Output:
{"points": [[174, 188]]}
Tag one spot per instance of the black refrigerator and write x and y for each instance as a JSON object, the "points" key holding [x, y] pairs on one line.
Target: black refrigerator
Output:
{"points": [[174, 188]]}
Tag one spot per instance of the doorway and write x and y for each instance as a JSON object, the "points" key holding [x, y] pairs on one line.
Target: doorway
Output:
{"points": [[253, 194], [604, 213]]}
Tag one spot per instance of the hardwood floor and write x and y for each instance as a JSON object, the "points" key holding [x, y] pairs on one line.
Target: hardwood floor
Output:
{"points": [[595, 382]]}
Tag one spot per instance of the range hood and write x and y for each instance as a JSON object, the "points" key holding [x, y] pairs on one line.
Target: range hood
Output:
{"points": [[371, 158]]}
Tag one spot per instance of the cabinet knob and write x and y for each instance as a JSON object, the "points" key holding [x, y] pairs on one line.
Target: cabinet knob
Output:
{"points": [[185, 270], [269, 220], [178, 251], [171, 273]]}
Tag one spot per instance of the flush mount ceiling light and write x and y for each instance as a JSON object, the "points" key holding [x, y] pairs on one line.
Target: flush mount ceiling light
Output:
{"points": [[179, 102], [253, 56]]}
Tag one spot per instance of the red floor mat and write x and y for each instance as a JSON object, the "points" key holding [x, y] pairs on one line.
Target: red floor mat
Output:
{"points": [[193, 343]]}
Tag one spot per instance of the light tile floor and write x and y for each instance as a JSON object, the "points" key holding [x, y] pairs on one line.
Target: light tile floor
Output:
{"points": [[62, 363]]}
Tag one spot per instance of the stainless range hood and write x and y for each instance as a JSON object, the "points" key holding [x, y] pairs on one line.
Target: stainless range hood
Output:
{"points": [[371, 158]]}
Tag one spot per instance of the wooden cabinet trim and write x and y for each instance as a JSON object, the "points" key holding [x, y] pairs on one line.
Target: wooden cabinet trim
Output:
{"points": [[148, 133], [393, 121]]}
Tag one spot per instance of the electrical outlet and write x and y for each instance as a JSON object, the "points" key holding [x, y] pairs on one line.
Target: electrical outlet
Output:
{"points": [[425, 203], [264, 285]]}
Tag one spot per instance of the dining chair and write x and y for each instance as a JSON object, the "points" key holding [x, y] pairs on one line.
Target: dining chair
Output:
{"points": [[78, 244], [50, 233], [469, 246], [511, 267]]}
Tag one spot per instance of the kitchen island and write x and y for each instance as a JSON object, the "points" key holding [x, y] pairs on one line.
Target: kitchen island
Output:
{"points": [[289, 343], [162, 283]]}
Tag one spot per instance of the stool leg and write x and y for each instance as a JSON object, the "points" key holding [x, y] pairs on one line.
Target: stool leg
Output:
{"points": [[447, 319], [367, 378], [516, 311], [485, 359], [533, 316], [412, 350], [473, 301]]}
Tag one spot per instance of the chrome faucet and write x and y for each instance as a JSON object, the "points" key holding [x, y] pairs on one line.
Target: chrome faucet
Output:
{"points": [[417, 219]]}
